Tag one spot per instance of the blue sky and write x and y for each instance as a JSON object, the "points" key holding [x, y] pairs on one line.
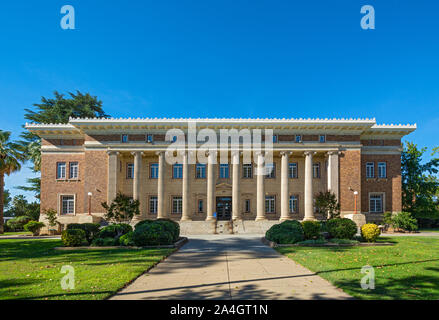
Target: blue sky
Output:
{"points": [[225, 59]]}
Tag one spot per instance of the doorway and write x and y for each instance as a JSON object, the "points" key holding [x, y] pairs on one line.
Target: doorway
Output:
{"points": [[224, 208]]}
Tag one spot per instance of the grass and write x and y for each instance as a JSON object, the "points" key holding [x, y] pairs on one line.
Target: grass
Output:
{"points": [[407, 270], [20, 233], [428, 230], [31, 269]]}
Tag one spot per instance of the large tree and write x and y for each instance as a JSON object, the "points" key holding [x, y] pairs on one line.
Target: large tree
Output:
{"points": [[55, 110], [11, 156], [420, 183]]}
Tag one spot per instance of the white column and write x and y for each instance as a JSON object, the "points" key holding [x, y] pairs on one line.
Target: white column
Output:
{"points": [[185, 188], [284, 194], [309, 206], [137, 172], [260, 192], [333, 172], [161, 187], [211, 160], [112, 175], [236, 209]]}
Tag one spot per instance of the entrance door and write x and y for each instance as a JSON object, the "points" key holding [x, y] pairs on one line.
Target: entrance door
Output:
{"points": [[224, 208]]}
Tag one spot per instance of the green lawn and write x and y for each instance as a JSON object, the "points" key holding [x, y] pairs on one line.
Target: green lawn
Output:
{"points": [[429, 230], [408, 270], [31, 269], [20, 233]]}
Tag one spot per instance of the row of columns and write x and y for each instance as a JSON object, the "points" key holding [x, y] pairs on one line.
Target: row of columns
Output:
{"points": [[236, 212]]}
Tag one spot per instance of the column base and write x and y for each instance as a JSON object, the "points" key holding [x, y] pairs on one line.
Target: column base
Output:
{"points": [[309, 219], [261, 219], [210, 219], [285, 219], [186, 219]]}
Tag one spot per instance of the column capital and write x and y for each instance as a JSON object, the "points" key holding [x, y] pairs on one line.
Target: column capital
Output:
{"points": [[137, 153], [285, 153], [158, 153], [112, 152], [309, 153]]}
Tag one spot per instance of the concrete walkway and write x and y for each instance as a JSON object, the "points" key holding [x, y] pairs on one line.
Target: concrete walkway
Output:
{"points": [[229, 267]]}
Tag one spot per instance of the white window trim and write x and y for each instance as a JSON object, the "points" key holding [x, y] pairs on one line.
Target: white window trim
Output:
{"points": [[65, 170], [383, 196], [60, 204], [77, 170], [373, 176], [385, 169]]}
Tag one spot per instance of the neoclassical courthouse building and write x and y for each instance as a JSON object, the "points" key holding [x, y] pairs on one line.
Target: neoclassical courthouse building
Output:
{"points": [[88, 161]]}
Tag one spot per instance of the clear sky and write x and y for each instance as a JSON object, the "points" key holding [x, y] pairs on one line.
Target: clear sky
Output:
{"points": [[206, 58]]}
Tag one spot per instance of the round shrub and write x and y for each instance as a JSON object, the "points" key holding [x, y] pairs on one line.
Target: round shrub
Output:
{"points": [[341, 228], [311, 229], [34, 227], [404, 220], [170, 226], [91, 229], [73, 237], [115, 230], [289, 231], [150, 234], [104, 242], [127, 239], [370, 232], [17, 224], [141, 223]]}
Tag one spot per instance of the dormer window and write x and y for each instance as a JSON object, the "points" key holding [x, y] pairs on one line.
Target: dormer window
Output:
{"points": [[149, 138], [298, 138], [124, 138]]}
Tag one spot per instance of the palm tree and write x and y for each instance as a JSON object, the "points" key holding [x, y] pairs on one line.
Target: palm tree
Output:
{"points": [[11, 156]]}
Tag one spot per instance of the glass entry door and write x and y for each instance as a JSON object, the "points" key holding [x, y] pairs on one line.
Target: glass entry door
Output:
{"points": [[224, 208]]}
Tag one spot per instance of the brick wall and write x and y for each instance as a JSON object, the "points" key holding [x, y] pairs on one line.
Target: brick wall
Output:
{"points": [[350, 176]]}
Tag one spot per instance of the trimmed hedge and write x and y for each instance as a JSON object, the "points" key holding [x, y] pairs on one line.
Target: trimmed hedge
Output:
{"points": [[170, 226], [127, 239], [289, 231], [34, 227], [150, 234], [341, 228], [115, 230], [311, 229], [91, 229], [73, 237], [104, 242]]}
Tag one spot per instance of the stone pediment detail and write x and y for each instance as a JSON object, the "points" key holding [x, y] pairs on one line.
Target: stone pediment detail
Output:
{"points": [[223, 186]]}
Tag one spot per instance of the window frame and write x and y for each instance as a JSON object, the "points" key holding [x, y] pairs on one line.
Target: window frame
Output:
{"points": [[152, 167], [319, 173], [221, 167], [200, 205], [148, 136], [272, 174], [298, 136], [61, 204], [290, 165], [154, 202], [245, 168], [296, 199], [202, 167], [122, 140], [179, 200], [174, 167], [370, 166], [382, 197], [130, 164], [379, 166], [322, 136], [58, 177], [273, 201], [77, 170], [247, 203]]}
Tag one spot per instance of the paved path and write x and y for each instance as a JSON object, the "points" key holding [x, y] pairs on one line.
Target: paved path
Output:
{"points": [[229, 267]]}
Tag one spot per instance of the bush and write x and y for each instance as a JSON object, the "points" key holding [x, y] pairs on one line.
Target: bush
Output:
{"points": [[127, 239], [341, 228], [115, 230], [311, 229], [170, 226], [91, 229], [104, 242], [141, 223], [387, 218], [289, 231], [344, 241], [73, 237], [17, 224], [370, 232], [404, 220], [150, 234], [34, 227]]}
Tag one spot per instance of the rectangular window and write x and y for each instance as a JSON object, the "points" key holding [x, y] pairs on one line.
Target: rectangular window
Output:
{"points": [[124, 138], [322, 138], [154, 171], [73, 172], [376, 203], [270, 204], [293, 204], [200, 171], [292, 170], [224, 171], [177, 204], [247, 205], [177, 171], [130, 170], [200, 206], [298, 138], [247, 170], [149, 138], [153, 202], [382, 170], [275, 138], [316, 170], [271, 170], [67, 204], [61, 170], [370, 170]]}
